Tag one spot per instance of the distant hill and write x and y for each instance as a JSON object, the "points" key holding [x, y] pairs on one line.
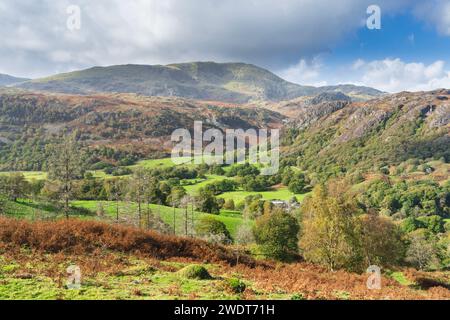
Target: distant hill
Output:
{"points": [[133, 125], [329, 96], [6, 80], [228, 82], [357, 93]]}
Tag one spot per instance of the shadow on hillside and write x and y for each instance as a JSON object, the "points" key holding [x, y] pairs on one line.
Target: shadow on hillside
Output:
{"points": [[55, 209], [428, 283], [429, 148]]}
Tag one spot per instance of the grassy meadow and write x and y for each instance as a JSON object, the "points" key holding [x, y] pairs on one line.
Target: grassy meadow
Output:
{"points": [[30, 208]]}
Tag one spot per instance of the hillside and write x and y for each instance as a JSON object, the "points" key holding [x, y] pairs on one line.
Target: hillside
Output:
{"points": [[348, 136], [336, 137], [135, 125], [357, 93], [6, 80], [230, 82], [125, 263]]}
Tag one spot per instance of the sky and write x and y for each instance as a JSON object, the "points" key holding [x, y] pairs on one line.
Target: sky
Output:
{"points": [[310, 42]]}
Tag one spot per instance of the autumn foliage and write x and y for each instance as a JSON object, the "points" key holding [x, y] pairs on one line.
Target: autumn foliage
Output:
{"points": [[83, 237]]}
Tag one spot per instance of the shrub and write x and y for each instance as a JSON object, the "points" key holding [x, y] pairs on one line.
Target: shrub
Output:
{"points": [[236, 285], [196, 272], [297, 296], [208, 226], [297, 184], [207, 202], [217, 170], [229, 204]]}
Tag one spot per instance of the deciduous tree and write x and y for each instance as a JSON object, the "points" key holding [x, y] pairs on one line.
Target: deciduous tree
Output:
{"points": [[277, 234]]}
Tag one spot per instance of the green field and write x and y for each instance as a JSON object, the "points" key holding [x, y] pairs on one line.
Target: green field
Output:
{"points": [[87, 209], [232, 221], [201, 183], [279, 194], [40, 175], [30, 175], [276, 194], [157, 163], [166, 163], [30, 209]]}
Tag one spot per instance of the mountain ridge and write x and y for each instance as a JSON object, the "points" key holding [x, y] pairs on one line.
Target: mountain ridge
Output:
{"points": [[227, 82], [6, 79], [337, 137]]}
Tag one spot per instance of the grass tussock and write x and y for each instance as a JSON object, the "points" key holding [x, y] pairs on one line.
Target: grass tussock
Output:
{"points": [[81, 237], [195, 272]]}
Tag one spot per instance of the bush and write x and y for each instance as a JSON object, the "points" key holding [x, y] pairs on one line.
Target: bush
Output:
{"points": [[196, 272], [297, 183], [207, 202], [297, 296], [236, 285], [229, 204], [217, 170], [208, 226], [277, 235]]}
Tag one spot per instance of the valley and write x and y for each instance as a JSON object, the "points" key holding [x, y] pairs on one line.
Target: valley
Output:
{"points": [[86, 179]]}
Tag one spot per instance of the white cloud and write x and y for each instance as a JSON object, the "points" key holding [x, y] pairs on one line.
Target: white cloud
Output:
{"points": [[271, 33], [358, 64], [435, 12], [394, 75], [278, 34], [305, 73], [390, 75]]}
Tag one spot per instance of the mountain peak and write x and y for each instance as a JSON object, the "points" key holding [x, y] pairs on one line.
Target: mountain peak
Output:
{"points": [[233, 82]]}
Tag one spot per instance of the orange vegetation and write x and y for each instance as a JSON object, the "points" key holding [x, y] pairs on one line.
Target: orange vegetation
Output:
{"points": [[99, 247]]}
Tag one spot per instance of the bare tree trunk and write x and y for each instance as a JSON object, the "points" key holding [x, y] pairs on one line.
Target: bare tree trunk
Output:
{"points": [[139, 211], [174, 220], [66, 203], [186, 219], [67, 188], [117, 210], [192, 219]]}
